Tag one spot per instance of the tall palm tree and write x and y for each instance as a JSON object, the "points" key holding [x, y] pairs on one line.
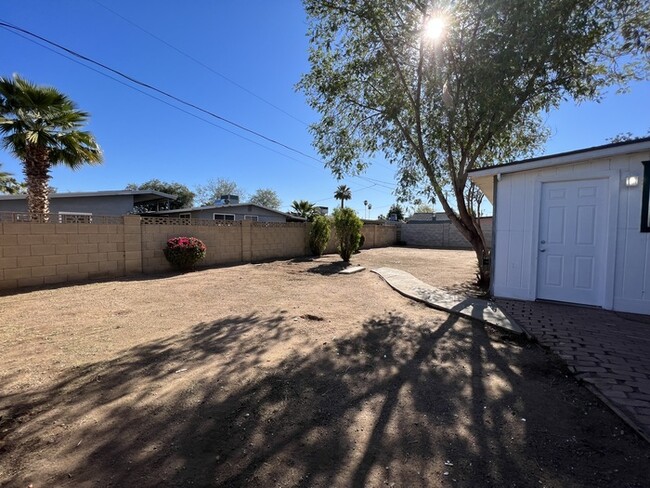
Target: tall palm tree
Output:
{"points": [[41, 127], [304, 208], [343, 193]]}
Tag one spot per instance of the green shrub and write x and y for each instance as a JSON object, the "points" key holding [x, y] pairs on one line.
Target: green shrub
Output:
{"points": [[319, 235], [348, 231], [184, 252], [362, 241]]}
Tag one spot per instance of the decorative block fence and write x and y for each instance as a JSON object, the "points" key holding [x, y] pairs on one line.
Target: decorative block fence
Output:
{"points": [[45, 251], [440, 234]]}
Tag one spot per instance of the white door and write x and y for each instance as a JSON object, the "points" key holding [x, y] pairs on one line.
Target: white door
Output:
{"points": [[572, 231]]}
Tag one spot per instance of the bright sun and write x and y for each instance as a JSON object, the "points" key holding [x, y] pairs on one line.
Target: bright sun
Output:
{"points": [[434, 28]]}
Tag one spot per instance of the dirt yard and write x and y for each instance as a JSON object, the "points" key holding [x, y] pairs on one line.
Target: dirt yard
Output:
{"points": [[287, 374]]}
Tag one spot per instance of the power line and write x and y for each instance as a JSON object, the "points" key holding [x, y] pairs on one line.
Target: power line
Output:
{"points": [[199, 62], [187, 112], [157, 90], [31, 36]]}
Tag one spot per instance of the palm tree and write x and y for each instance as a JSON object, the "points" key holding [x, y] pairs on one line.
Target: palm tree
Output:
{"points": [[41, 126], [9, 184], [304, 208], [343, 193]]}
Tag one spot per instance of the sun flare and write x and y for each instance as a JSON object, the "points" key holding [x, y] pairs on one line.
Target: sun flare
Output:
{"points": [[434, 28]]}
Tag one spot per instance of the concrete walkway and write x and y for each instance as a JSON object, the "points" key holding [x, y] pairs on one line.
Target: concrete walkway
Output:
{"points": [[472, 308], [610, 351]]}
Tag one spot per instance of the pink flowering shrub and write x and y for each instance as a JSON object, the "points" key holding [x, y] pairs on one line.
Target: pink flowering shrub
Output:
{"points": [[184, 252]]}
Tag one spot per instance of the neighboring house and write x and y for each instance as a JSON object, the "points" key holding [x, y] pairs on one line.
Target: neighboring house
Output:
{"points": [[573, 227], [241, 211], [422, 218], [85, 204]]}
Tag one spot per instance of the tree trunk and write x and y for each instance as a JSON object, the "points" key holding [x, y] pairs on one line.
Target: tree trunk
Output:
{"points": [[37, 175], [471, 230]]}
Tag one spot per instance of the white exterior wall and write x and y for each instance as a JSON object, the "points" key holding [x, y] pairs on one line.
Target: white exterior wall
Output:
{"points": [[516, 227]]}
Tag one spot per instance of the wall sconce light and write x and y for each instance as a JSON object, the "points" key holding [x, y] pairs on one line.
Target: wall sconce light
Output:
{"points": [[631, 181]]}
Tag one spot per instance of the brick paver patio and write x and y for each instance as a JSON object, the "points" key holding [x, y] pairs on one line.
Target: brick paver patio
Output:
{"points": [[610, 351]]}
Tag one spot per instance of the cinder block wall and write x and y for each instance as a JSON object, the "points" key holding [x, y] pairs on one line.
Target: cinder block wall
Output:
{"points": [[441, 234], [43, 253], [225, 243], [34, 254], [270, 240]]}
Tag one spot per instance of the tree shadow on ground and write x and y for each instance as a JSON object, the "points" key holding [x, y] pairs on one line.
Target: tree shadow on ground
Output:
{"points": [[396, 402], [327, 269]]}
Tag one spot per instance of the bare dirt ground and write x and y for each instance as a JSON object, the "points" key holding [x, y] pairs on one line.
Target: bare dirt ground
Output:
{"points": [[287, 374]]}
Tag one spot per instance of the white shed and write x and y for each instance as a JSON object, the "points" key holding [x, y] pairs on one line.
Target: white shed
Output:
{"points": [[573, 227]]}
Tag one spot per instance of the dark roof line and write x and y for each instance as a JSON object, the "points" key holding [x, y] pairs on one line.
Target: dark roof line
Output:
{"points": [[225, 206], [108, 193], [563, 154]]}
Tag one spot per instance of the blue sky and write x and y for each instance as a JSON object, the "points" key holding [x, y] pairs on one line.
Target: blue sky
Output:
{"points": [[259, 45]]}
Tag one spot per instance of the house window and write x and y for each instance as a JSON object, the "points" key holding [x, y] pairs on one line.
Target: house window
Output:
{"points": [[645, 204], [75, 218], [254, 218], [219, 216], [185, 216]]}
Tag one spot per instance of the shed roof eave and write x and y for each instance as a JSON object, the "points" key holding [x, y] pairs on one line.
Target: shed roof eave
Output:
{"points": [[572, 157]]}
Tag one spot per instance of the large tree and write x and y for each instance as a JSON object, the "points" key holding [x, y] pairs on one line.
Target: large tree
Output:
{"points": [[443, 87], [42, 127], [212, 190], [396, 210], [343, 193], [267, 198], [184, 197]]}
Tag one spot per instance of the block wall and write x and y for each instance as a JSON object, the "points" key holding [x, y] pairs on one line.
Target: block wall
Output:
{"points": [[33, 254], [441, 234]]}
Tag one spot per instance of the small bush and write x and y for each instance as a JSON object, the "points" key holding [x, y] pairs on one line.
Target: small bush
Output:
{"points": [[319, 235], [184, 252], [348, 231], [362, 241]]}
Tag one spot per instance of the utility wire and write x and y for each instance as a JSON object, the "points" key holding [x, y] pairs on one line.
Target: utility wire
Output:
{"points": [[191, 114], [26, 34], [199, 62], [6, 25]]}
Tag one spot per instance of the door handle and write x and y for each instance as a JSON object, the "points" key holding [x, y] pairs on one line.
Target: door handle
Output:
{"points": [[542, 250]]}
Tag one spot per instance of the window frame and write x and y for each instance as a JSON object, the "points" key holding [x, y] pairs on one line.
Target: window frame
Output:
{"points": [[645, 202], [254, 218], [185, 215], [225, 219]]}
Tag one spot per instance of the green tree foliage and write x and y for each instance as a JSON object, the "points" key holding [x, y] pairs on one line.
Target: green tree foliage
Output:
{"points": [[343, 193], [184, 197], [439, 107], [212, 190], [266, 198], [304, 209], [42, 127], [319, 234], [10, 185], [423, 208], [626, 137], [397, 210], [348, 231]]}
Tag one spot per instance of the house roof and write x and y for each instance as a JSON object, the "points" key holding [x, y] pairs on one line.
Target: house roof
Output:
{"points": [[423, 216], [483, 177], [233, 206], [139, 195]]}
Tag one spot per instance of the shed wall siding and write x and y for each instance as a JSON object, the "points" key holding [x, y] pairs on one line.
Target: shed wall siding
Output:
{"points": [[516, 231]]}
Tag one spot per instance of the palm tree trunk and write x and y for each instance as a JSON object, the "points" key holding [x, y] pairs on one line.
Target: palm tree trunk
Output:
{"points": [[37, 176]]}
